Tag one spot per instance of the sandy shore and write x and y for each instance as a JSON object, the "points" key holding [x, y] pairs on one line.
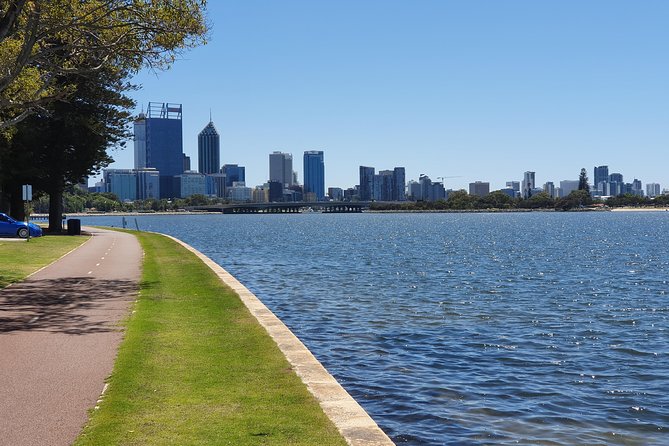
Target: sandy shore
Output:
{"points": [[632, 209]]}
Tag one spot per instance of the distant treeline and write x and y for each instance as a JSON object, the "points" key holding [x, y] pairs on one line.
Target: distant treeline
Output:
{"points": [[76, 200], [579, 199]]}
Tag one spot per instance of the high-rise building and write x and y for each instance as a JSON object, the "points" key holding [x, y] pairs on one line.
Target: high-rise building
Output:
{"points": [[366, 183], [601, 175], [208, 150], [652, 190], [479, 188], [414, 190], [159, 143], [281, 168], [233, 173], [528, 184], [399, 184], [314, 174]]}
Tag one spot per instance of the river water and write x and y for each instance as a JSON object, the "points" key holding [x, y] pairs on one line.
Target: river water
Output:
{"points": [[539, 328]]}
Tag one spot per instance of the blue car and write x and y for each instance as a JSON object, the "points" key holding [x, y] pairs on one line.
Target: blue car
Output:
{"points": [[13, 228]]}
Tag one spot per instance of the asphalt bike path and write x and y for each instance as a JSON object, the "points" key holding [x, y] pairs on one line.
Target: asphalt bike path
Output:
{"points": [[59, 333]]}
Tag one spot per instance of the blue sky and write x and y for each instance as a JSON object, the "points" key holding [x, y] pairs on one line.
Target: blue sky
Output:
{"points": [[474, 89]]}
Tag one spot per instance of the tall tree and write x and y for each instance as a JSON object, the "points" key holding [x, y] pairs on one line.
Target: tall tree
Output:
{"points": [[42, 40], [583, 183], [69, 141]]}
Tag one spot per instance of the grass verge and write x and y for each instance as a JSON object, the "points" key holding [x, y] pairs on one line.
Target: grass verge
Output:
{"points": [[20, 258], [195, 367]]}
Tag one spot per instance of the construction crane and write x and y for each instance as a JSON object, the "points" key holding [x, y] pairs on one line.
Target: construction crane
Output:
{"points": [[444, 178]]}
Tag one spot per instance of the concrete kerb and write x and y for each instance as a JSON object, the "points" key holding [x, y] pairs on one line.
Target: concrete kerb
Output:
{"points": [[352, 421]]}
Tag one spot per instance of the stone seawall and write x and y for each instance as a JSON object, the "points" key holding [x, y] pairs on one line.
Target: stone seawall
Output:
{"points": [[355, 425]]}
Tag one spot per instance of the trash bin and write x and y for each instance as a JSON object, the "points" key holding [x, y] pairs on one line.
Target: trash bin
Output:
{"points": [[74, 226]]}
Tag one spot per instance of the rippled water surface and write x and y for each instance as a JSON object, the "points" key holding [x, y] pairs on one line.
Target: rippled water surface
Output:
{"points": [[533, 328]]}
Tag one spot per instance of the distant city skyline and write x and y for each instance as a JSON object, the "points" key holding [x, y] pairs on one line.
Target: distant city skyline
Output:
{"points": [[482, 91]]}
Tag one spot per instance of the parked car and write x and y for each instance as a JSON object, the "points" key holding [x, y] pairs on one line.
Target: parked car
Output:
{"points": [[13, 228]]}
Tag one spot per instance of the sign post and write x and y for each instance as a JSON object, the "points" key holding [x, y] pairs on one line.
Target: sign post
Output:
{"points": [[27, 198]]}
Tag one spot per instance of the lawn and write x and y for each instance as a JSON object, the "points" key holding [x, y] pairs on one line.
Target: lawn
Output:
{"points": [[195, 368], [20, 258]]}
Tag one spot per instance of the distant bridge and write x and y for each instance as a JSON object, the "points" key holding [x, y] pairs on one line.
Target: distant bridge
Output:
{"points": [[333, 207]]}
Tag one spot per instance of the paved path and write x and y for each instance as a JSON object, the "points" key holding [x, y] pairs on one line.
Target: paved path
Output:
{"points": [[59, 334]]}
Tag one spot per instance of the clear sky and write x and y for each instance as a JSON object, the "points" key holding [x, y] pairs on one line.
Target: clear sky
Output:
{"points": [[474, 89]]}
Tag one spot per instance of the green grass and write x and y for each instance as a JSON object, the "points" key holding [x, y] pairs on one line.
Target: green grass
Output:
{"points": [[20, 258], [195, 367]]}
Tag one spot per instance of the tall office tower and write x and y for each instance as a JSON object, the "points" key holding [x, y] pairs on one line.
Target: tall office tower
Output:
{"points": [[208, 150], [479, 188], [314, 174], [159, 143], [399, 184], [528, 184], [233, 174], [384, 185], [281, 168], [601, 175], [366, 183]]}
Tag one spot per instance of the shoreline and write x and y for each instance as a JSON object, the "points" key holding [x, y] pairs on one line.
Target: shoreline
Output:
{"points": [[368, 211], [353, 422]]}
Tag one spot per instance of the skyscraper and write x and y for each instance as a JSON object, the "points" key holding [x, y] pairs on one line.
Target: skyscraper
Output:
{"points": [[281, 168], [314, 174], [159, 143], [208, 150], [399, 184], [366, 183], [528, 184], [601, 175]]}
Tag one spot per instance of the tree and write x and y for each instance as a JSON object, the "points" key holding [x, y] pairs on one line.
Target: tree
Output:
{"points": [[42, 41], [539, 201], [583, 183], [461, 200], [575, 199], [497, 200], [70, 140]]}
